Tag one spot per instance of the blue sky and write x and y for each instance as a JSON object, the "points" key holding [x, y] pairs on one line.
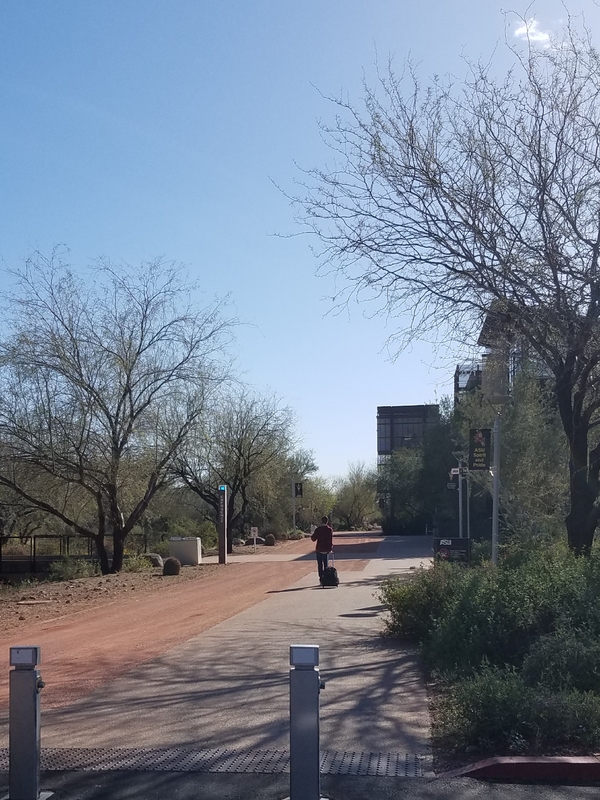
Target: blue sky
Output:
{"points": [[136, 129]]}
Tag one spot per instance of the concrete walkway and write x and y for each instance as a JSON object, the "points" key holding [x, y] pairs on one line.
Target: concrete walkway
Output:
{"points": [[228, 687]]}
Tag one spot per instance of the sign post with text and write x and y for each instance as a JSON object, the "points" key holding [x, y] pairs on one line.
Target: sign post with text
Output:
{"points": [[296, 492], [222, 524]]}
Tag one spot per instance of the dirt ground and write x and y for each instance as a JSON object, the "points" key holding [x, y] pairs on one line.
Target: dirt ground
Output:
{"points": [[93, 629]]}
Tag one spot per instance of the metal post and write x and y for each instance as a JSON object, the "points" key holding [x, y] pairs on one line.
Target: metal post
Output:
{"points": [[468, 505], [24, 733], [460, 498], [293, 505], [305, 684], [496, 489]]}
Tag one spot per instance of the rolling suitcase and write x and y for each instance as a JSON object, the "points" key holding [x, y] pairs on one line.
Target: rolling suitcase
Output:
{"points": [[329, 578]]}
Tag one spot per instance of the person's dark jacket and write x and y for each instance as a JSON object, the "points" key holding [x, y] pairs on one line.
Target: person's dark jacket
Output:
{"points": [[323, 536]]}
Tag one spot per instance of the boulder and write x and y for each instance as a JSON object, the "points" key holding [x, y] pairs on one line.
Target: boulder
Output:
{"points": [[154, 558]]}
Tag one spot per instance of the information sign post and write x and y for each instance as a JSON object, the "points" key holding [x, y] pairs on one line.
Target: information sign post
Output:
{"points": [[296, 492], [222, 524]]}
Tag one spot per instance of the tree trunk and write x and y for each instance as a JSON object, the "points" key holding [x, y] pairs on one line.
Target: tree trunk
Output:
{"points": [[582, 519], [118, 551], [102, 554], [231, 520]]}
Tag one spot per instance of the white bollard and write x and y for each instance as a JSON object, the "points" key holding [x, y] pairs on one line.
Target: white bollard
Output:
{"points": [[305, 684]]}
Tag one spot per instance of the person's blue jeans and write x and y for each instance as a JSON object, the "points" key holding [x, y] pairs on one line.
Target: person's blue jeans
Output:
{"points": [[322, 562]]}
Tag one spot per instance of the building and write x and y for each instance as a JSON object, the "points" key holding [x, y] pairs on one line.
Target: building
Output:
{"points": [[403, 426], [467, 378], [506, 355]]}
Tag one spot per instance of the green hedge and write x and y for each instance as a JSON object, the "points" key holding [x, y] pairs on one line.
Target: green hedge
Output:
{"points": [[515, 647]]}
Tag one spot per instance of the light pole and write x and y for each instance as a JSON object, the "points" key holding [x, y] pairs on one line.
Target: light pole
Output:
{"points": [[496, 488], [459, 457]]}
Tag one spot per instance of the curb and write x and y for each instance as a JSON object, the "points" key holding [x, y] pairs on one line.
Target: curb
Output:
{"points": [[566, 769]]}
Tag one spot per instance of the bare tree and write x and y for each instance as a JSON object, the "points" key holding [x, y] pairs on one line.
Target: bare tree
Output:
{"points": [[245, 436], [449, 200], [18, 518], [100, 385]]}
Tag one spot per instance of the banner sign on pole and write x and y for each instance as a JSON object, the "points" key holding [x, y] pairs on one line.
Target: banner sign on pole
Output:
{"points": [[480, 449]]}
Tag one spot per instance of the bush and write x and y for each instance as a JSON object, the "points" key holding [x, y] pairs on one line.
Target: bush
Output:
{"points": [[295, 534], [269, 540], [496, 711], [517, 648], [564, 660], [68, 569], [208, 533], [281, 536], [481, 551], [162, 548], [464, 616], [415, 604], [137, 563], [172, 566]]}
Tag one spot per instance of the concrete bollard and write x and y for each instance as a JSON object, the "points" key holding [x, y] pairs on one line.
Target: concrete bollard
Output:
{"points": [[24, 734], [305, 684]]}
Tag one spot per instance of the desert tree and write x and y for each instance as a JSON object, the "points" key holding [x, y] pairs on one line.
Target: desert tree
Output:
{"points": [[18, 518], [246, 436], [356, 497], [456, 199], [101, 382]]}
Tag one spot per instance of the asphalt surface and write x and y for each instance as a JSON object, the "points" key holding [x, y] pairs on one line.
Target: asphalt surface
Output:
{"points": [[182, 786], [228, 688]]}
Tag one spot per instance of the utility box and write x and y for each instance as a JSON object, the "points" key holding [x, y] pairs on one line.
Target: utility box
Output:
{"points": [[187, 549]]}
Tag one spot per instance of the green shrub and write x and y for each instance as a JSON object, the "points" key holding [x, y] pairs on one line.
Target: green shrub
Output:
{"points": [[481, 551], [70, 568], [517, 647], [136, 563], [464, 616], [564, 660], [281, 536], [295, 534], [208, 533], [172, 566], [496, 712], [415, 604]]}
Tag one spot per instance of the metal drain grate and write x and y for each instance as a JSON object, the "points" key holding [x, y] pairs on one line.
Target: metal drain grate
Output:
{"points": [[333, 762]]}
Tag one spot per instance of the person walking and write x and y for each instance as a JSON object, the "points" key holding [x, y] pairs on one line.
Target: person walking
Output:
{"points": [[323, 536]]}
